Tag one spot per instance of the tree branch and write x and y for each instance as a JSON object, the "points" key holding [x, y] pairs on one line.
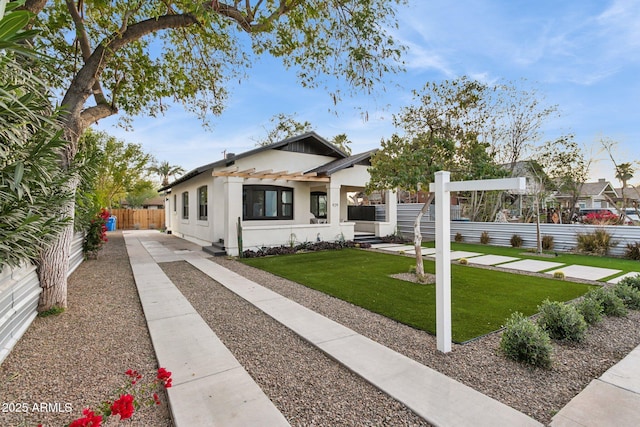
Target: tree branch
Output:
{"points": [[93, 114]]}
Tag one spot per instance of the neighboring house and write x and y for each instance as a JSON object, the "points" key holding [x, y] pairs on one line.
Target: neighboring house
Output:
{"points": [[599, 194], [295, 190]]}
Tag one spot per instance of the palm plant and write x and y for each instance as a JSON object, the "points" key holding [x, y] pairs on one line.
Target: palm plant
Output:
{"points": [[33, 187], [165, 170]]}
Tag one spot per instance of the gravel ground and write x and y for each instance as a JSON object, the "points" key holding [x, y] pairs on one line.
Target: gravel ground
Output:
{"points": [[478, 364], [305, 385], [79, 358]]}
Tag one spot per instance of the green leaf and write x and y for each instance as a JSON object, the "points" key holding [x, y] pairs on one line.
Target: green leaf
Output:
{"points": [[12, 23]]}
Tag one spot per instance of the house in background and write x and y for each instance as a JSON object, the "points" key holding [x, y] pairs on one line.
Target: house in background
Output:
{"points": [[295, 190], [593, 195]]}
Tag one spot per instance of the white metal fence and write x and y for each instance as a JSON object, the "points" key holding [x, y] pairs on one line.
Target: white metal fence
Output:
{"points": [[564, 235], [19, 293]]}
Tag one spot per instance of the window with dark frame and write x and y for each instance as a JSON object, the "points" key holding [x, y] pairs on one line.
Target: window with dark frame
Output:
{"points": [[175, 202], [185, 205], [319, 204], [202, 203], [267, 202]]}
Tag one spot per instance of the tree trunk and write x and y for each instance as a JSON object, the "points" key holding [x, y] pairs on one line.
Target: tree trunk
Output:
{"points": [[417, 236], [53, 263]]}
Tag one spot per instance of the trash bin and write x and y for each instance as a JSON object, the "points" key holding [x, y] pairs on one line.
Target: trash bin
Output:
{"points": [[111, 223]]}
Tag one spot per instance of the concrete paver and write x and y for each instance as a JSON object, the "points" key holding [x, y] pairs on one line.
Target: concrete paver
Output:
{"points": [[438, 399], [585, 272], [532, 265], [210, 387], [619, 278], [403, 248], [491, 259]]}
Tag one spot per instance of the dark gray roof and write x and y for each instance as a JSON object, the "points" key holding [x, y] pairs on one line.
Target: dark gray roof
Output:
{"points": [[338, 165], [309, 142]]}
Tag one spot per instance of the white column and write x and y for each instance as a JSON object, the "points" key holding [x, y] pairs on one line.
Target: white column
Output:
{"points": [[391, 208], [233, 211], [443, 262], [333, 205]]}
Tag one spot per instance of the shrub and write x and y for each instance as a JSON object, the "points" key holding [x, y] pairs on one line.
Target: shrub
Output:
{"points": [[633, 281], [558, 275], [598, 243], [459, 238], [484, 238], [562, 321], [463, 261], [525, 341], [516, 241], [547, 243], [591, 309], [633, 251], [629, 295], [612, 304]]}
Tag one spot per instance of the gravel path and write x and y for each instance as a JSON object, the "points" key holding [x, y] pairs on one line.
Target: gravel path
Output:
{"points": [[305, 385], [79, 357]]}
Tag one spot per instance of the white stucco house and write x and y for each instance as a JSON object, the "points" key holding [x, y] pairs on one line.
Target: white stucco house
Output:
{"points": [[293, 190]]}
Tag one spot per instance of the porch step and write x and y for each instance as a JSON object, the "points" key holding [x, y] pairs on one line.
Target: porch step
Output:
{"points": [[366, 238], [216, 249]]}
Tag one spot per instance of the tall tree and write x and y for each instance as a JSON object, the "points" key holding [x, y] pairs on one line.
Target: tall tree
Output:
{"points": [[518, 115], [165, 171], [623, 171], [342, 142], [442, 123], [121, 168], [565, 163], [132, 57], [284, 126]]}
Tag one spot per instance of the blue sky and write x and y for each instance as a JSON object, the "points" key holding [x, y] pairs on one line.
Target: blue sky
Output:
{"points": [[582, 55]]}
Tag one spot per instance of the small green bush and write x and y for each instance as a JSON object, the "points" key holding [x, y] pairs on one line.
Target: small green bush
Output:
{"points": [[547, 242], [591, 309], [516, 241], [463, 261], [612, 304], [562, 321], [597, 243], [559, 275], [525, 341], [629, 295], [633, 251], [459, 238], [633, 281], [484, 238]]}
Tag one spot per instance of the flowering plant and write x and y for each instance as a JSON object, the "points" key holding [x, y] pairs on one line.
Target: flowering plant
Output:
{"points": [[127, 402], [96, 234]]}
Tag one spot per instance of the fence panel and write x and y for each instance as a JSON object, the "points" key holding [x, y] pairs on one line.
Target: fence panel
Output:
{"points": [[564, 235], [139, 219], [19, 294]]}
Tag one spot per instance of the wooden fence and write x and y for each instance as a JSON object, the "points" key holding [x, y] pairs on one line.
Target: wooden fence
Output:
{"points": [[139, 219]]}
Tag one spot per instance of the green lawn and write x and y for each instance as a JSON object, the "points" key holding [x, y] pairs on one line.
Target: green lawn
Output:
{"points": [[481, 299]]}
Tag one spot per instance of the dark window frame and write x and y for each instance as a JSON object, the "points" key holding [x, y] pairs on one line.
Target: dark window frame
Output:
{"points": [[185, 205], [315, 203], [203, 209], [255, 201]]}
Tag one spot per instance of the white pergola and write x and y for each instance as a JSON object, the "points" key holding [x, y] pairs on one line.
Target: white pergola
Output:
{"points": [[442, 187]]}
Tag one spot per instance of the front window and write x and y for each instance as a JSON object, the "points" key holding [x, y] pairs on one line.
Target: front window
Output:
{"points": [[267, 202], [202, 203], [319, 204], [185, 205], [175, 202]]}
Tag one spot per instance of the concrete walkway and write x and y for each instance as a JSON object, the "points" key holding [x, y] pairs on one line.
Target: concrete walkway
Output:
{"points": [[211, 388]]}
